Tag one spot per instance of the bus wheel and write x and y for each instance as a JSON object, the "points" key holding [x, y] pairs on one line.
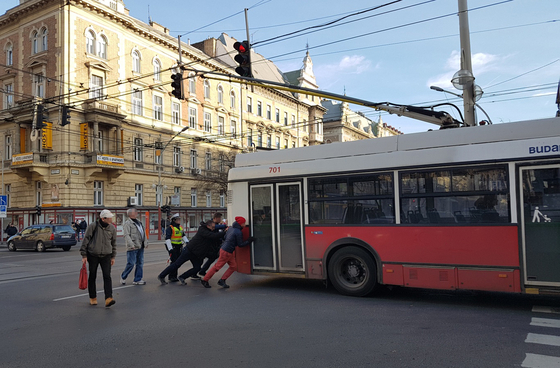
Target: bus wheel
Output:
{"points": [[352, 271]]}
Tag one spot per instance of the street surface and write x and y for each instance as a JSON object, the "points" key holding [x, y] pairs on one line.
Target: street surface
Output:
{"points": [[46, 321]]}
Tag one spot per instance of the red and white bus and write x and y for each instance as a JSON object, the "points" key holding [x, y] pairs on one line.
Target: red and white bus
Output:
{"points": [[473, 208]]}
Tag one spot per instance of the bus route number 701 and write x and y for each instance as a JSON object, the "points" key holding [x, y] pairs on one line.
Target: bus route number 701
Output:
{"points": [[274, 170]]}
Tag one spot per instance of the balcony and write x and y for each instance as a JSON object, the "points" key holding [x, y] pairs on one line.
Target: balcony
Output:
{"points": [[315, 137], [25, 164], [102, 112], [101, 164]]}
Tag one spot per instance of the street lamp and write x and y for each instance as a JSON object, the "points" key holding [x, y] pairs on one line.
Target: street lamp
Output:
{"points": [[159, 190], [478, 94]]}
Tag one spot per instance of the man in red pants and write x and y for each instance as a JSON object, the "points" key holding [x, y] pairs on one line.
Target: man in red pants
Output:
{"points": [[234, 238]]}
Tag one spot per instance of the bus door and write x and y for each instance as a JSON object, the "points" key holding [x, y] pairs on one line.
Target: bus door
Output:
{"points": [[540, 224], [276, 222]]}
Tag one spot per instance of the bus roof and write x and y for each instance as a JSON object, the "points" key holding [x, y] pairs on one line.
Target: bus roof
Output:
{"points": [[447, 142]]}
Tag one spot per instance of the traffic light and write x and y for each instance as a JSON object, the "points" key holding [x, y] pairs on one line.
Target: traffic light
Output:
{"points": [[38, 210], [166, 209], [243, 58], [65, 116], [177, 85], [42, 117]]}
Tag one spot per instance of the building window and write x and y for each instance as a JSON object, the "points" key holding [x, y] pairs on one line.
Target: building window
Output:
{"points": [[221, 128], [158, 153], [268, 112], [98, 193], [137, 102], [136, 61], [177, 195], [176, 156], [208, 199], [44, 39], [294, 144], [192, 117], [259, 140], [138, 150], [176, 113], [277, 115], [138, 189], [39, 193], [157, 70], [293, 121], [233, 129], [9, 54], [8, 147], [285, 118], [222, 199], [9, 93], [232, 100], [207, 89], [35, 42], [192, 83], [207, 122], [220, 94], [259, 108], [8, 189], [194, 159], [285, 143], [269, 141], [304, 126], [96, 87], [208, 161], [100, 141], [320, 127], [277, 142], [222, 163], [193, 197], [249, 104], [113, 5], [249, 137], [102, 47], [38, 80], [158, 108], [90, 42]]}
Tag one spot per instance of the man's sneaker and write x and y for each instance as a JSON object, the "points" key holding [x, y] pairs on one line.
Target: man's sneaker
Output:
{"points": [[182, 280], [205, 284], [141, 282], [92, 301], [123, 281], [202, 273], [174, 280], [109, 302], [195, 277], [162, 280], [223, 284]]}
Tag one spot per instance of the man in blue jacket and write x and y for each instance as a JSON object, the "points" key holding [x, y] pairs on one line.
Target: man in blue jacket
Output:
{"points": [[234, 238]]}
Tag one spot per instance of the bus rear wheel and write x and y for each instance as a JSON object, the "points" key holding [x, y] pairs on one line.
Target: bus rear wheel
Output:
{"points": [[352, 271]]}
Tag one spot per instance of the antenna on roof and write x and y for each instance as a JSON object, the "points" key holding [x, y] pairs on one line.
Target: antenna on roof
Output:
{"points": [[149, 17]]}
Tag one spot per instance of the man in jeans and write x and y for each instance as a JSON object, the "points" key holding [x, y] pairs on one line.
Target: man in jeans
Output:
{"points": [[135, 242], [99, 248]]}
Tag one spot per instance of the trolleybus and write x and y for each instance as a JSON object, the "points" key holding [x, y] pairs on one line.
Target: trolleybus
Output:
{"points": [[473, 208]]}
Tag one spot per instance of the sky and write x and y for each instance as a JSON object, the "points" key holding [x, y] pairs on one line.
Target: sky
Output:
{"points": [[394, 53]]}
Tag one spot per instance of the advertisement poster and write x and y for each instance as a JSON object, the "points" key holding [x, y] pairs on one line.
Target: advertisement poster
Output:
{"points": [[119, 221]]}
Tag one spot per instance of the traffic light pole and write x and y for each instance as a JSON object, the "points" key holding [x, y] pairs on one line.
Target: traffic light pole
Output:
{"points": [[248, 39]]}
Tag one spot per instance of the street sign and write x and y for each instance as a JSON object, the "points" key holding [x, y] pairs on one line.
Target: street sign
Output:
{"points": [[3, 206]]}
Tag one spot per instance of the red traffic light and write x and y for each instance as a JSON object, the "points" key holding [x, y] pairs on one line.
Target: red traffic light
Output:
{"points": [[242, 47]]}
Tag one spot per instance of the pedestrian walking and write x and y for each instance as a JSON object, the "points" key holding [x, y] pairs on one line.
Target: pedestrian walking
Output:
{"points": [[135, 242], [99, 248], [195, 251], [174, 242], [11, 230], [83, 227], [234, 238], [212, 256]]}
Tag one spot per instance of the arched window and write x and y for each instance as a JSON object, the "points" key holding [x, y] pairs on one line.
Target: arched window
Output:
{"points": [[192, 83], [220, 94], [136, 61], [44, 43], [90, 42], [9, 54], [206, 88], [157, 70], [34, 42], [232, 99], [102, 47]]}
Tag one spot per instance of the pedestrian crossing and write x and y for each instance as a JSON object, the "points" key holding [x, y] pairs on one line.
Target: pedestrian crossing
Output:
{"points": [[549, 339]]}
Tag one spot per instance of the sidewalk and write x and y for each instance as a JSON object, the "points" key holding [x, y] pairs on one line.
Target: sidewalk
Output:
{"points": [[120, 242]]}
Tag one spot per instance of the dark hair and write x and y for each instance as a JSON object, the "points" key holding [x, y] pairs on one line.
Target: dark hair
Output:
{"points": [[217, 214], [209, 223]]}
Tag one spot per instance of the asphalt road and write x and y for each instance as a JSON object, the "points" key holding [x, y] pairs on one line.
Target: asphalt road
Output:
{"points": [[46, 321]]}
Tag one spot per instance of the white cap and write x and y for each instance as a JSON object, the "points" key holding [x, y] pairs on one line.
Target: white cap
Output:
{"points": [[175, 216], [106, 214]]}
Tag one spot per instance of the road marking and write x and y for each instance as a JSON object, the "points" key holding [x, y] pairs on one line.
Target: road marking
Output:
{"points": [[541, 309], [545, 322], [100, 291], [540, 361], [543, 339]]}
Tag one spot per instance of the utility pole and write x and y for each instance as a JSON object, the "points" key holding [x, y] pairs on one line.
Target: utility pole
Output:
{"points": [[466, 63]]}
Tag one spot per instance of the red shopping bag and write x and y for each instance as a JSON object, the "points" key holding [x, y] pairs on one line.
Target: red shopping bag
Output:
{"points": [[83, 277]]}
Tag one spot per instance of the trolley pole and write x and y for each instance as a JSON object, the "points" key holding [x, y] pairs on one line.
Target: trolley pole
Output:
{"points": [[466, 63]]}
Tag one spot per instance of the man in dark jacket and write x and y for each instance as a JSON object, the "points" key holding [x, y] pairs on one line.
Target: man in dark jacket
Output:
{"points": [[195, 251], [99, 248], [83, 227], [234, 238], [11, 230], [215, 253]]}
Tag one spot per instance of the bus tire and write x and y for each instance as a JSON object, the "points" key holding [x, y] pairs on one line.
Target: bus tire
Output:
{"points": [[352, 271]]}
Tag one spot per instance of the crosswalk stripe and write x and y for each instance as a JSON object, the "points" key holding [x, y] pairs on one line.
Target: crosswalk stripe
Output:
{"points": [[545, 322], [542, 309], [543, 339], [540, 361]]}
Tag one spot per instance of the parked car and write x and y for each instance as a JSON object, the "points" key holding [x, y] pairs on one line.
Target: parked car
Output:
{"points": [[43, 236]]}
